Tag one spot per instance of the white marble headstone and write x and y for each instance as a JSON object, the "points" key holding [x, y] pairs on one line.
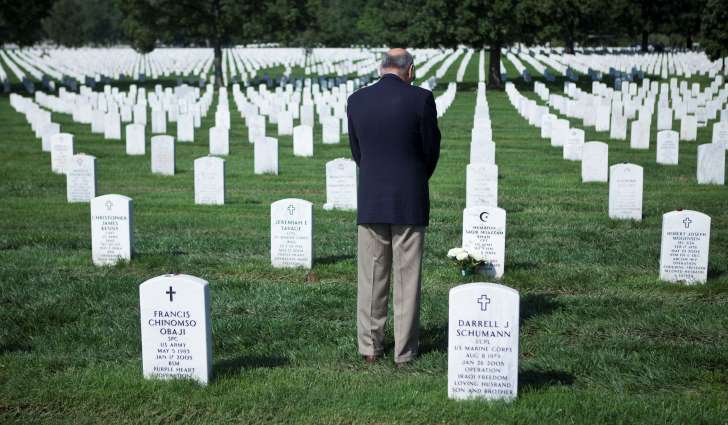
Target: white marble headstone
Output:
{"points": [[61, 152], [285, 123], [720, 134], [668, 147], [185, 127], [640, 135], [265, 155], [711, 164], [209, 181], [47, 133], [219, 141], [595, 162], [688, 128], [341, 180], [175, 328], [112, 227], [574, 145], [159, 121], [291, 233], [664, 118], [618, 127], [482, 152], [481, 182], [559, 132], [684, 247], [112, 126], [135, 143], [163, 155], [303, 140], [484, 232], [331, 131], [256, 127], [81, 178], [483, 325], [307, 115], [625, 192]]}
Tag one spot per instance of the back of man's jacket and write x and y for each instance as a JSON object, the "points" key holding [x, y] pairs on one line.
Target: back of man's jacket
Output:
{"points": [[396, 143]]}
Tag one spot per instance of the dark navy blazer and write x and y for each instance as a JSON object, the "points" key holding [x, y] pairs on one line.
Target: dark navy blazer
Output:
{"points": [[395, 142]]}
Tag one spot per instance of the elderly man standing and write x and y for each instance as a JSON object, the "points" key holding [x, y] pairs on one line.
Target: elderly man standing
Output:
{"points": [[395, 142]]}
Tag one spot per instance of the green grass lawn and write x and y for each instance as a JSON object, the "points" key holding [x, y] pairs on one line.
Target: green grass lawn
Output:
{"points": [[602, 339]]}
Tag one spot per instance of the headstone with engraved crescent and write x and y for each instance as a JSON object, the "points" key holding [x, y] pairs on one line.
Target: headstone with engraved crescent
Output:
{"points": [[484, 232]]}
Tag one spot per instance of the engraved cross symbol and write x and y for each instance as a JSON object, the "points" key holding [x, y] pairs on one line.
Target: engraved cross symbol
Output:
{"points": [[687, 222], [291, 209], [108, 205], [171, 293], [483, 301]]}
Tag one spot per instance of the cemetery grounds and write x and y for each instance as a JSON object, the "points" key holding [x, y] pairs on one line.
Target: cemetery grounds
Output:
{"points": [[602, 339]]}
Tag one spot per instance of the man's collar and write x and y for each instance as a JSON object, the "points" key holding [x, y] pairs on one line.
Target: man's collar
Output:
{"points": [[393, 75]]}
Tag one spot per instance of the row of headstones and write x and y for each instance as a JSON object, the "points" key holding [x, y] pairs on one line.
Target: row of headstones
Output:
{"points": [[481, 174], [593, 155], [685, 234], [483, 338], [596, 111], [80, 171], [483, 319], [605, 118], [291, 219]]}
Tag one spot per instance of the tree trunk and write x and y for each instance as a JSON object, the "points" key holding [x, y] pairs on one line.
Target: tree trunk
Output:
{"points": [[494, 75], [569, 39], [218, 63], [645, 40], [689, 41]]}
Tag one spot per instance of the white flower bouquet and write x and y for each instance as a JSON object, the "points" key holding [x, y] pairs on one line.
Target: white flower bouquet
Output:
{"points": [[470, 263]]}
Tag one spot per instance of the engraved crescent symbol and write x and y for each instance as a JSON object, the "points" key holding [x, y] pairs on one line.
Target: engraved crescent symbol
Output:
{"points": [[484, 213]]}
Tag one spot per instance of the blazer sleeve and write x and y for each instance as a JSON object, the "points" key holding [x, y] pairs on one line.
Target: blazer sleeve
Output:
{"points": [[353, 140], [430, 135]]}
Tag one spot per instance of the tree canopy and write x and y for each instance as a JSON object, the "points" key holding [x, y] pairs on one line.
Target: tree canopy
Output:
{"points": [[145, 24]]}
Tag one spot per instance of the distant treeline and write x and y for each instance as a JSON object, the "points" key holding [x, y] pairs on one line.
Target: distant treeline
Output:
{"points": [[148, 23]]}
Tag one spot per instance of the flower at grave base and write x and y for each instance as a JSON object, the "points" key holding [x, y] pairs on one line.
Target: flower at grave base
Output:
{"points": [[462, 256], [453, 253], [477, 257], [328, 206]]}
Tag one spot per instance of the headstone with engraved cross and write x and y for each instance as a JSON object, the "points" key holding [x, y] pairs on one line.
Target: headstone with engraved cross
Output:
{"points": [[112, 226], [483, 342], [175, 328], [684, 248], [291, 233]]}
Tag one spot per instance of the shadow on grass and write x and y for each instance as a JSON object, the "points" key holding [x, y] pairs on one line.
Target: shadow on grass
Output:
{"points": [[533, 305], [333, 259], [534, 380], [433, 339], [716, 272], [237, 365]]}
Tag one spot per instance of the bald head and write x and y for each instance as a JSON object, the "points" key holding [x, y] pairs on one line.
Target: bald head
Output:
{"points": [[398, 61]]}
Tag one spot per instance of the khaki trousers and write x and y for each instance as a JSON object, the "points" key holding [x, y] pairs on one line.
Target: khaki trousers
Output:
{"points": [[378, 246]]}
